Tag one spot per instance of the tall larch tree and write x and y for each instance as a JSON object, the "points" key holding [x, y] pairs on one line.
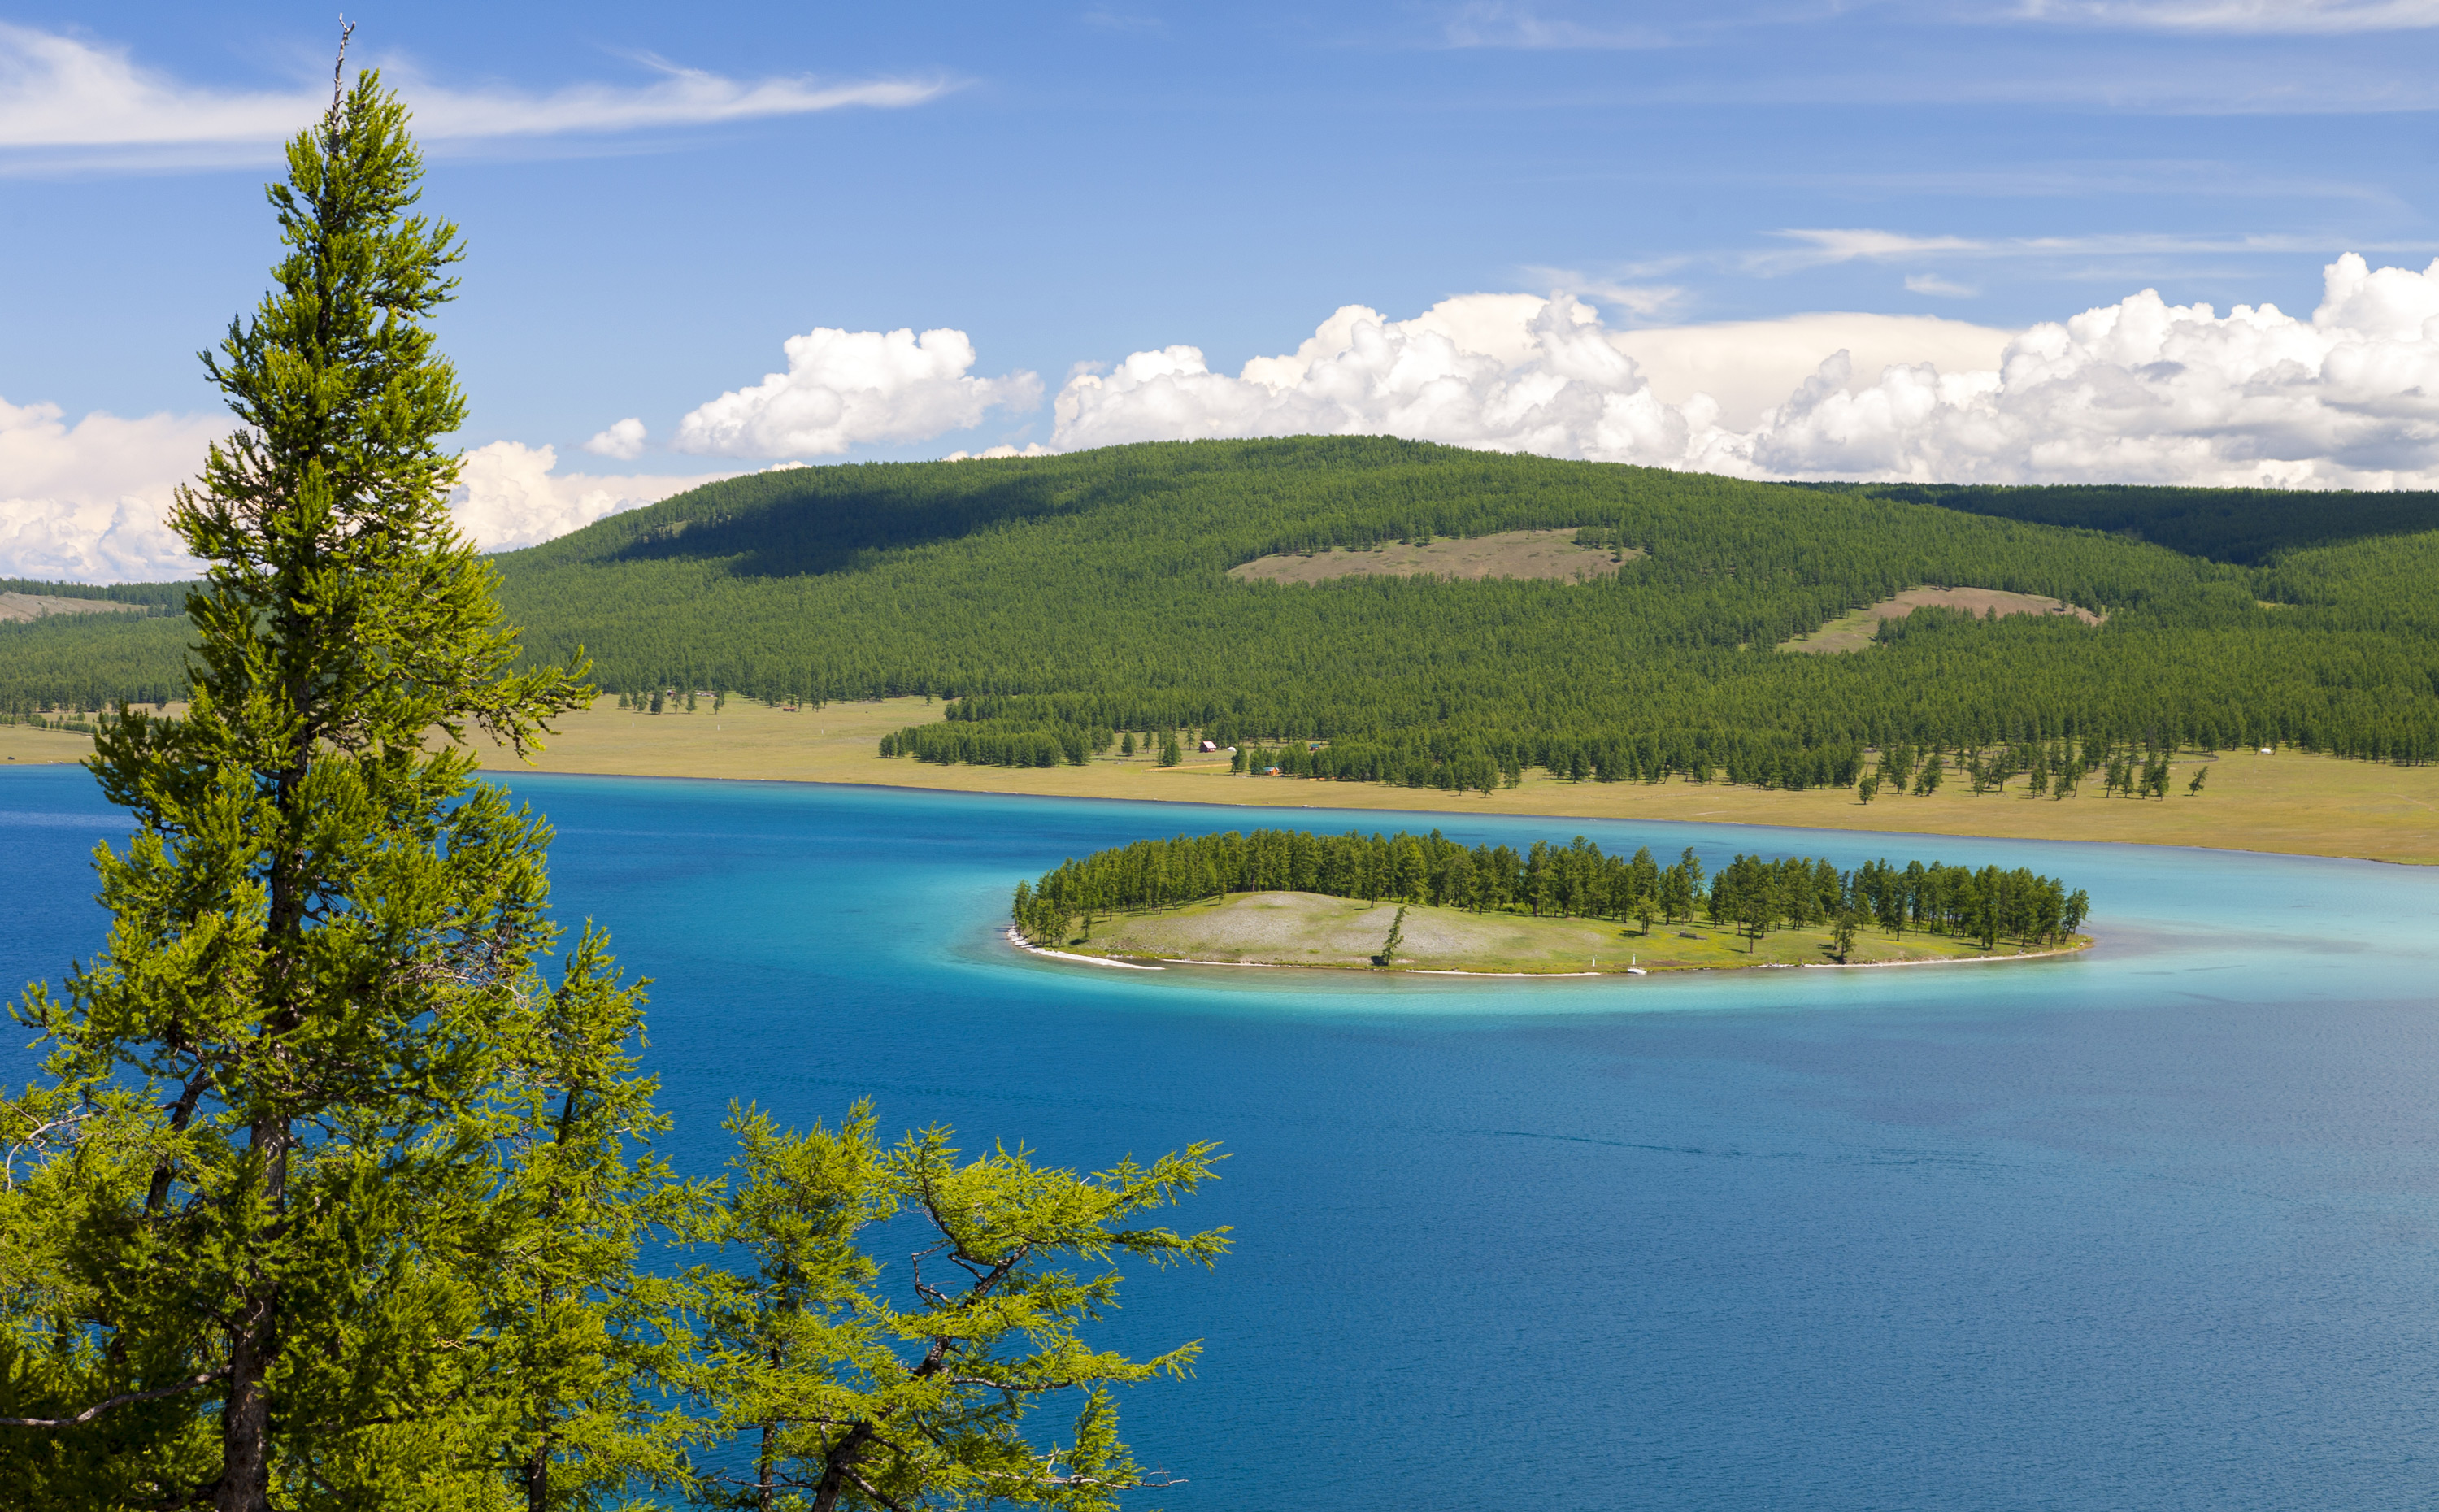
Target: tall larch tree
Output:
{"points": [[268, 1217]]}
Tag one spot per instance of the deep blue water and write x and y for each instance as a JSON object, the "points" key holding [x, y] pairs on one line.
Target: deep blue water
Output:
{"points": [[2152, 1227]]}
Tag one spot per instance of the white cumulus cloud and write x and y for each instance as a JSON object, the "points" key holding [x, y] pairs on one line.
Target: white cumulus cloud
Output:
{"points": [[843, 388], [88, 502], [2143, 391], [1003, 450], [1513, 372], [84, 503], [2140, 391], [60, 93], [623, 441], [509, 495], [1748, 367]]}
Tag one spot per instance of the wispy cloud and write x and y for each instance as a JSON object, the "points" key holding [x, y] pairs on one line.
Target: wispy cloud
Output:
{"points": [[66, 101], [2240, 16], [1819, 248], [1106, 19], [1931, 283], [1620, 289], [1494, 23], [2152, 178]]}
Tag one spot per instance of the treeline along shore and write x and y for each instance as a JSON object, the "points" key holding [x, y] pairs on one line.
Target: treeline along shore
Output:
{"points": [[1753, 896]]}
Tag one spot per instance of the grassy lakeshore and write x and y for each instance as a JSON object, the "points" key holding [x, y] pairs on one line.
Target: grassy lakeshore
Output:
{"points": [[32, 745], [1308, 929], [2290, 801]]}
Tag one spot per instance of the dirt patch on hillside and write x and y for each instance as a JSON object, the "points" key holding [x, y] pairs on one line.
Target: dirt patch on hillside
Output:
{"points": [[21, 606], [1546, 553], [1853, 631]]}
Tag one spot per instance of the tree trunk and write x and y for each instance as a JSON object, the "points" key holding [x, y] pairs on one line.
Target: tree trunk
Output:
{"points": [[254, 1334], [763, 1464], [253, 1342], [537, 1477], [841, 1460]]}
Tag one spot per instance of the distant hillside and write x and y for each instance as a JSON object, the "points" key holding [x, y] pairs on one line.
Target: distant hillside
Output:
{"points": [[2226, 525], [1062, 599]]}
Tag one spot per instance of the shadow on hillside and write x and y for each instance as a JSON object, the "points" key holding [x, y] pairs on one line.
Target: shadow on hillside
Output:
{"points": [[781, 526], [2243, 526]]}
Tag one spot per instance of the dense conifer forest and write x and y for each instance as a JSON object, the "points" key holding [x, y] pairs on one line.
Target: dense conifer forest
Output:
{"points": [[1753, 893], [1062, 600], [2226, 525]]}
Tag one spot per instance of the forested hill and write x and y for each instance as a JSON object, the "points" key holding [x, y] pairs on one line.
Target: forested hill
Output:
{"points": [[2225, 525], [1062, 599]]}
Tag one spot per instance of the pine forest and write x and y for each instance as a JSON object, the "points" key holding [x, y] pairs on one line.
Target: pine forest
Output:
{"points": [[1061, 601]]}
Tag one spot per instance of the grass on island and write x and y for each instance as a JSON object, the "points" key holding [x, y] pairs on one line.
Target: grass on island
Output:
{"points": [[1305, 928], [1550, 554], [2290, 803], [1858, 629]]}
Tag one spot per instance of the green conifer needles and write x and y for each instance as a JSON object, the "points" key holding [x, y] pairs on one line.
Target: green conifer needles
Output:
{"points": [[841, 1397], [329, 1200], [321, 1151]]}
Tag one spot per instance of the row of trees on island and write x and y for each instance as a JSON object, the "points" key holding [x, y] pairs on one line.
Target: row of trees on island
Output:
{"points": [[327, 1199], [1573, 879]]}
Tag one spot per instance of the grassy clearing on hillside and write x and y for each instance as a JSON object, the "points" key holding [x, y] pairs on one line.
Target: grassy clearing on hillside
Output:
{"points": [[1546, 553], [17, 606], [1856, 628], [1305, 928]]}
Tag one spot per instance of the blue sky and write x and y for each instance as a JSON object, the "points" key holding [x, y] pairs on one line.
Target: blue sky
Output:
{"points": [[1071, 184]]}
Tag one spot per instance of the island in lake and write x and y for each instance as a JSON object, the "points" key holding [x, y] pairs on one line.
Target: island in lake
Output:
{"points": [[1426, 903]]}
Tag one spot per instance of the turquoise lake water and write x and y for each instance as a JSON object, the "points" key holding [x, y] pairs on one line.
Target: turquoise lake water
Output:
{"points": [[2157, 1226]]}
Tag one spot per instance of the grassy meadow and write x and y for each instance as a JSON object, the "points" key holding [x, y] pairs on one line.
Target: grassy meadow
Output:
{"points": [[2291, 803], [1305, 928]]}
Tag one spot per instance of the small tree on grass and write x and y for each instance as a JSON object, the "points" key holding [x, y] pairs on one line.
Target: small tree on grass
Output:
{"points": [[850, 1386], [1754, 914], [2194, 789], [1841, 939], [1397, 937]]}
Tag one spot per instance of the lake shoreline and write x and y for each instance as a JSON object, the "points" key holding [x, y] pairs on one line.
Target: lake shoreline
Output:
{"points": [[2287, 803], [1156, 963], [2291, 803]]}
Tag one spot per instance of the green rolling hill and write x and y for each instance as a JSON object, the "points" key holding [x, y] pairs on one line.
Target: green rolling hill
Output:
{"points": [[1061, 599]]}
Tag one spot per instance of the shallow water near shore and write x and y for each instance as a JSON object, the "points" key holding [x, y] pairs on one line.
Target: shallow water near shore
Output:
{"points": [[2154, 1225]]}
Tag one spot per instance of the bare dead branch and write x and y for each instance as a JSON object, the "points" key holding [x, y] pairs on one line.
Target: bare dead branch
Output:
{"points": [[339, 69], [125, 1399]]}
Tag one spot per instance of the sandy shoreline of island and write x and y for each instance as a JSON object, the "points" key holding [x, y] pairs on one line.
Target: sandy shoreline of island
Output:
{"points": [[2082, 944]]}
